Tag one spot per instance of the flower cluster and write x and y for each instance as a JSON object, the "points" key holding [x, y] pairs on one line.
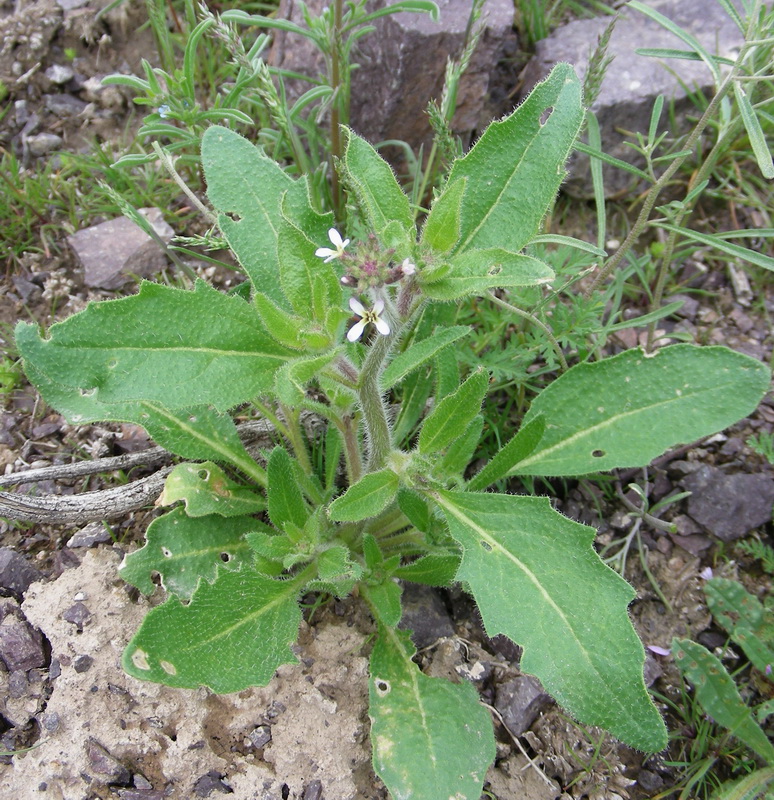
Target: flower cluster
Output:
{"points": [[368, 268]]}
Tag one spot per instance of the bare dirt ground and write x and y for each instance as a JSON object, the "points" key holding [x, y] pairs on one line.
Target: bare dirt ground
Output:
{"points": [[96, 733]]}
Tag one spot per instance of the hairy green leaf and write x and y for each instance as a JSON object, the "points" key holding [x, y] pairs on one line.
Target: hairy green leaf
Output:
{"points": [[476, 271], [460, 452], [307, 281], [431, 739], [436, 569], [572, 620], [196, 432], [418, 353], [366, 498], [415, 508], [442, 226], [517, 449], [248, 188], [183, 549], [167, 346], [514, 170], [206, 489], [234, 633], [745, 618], [373, 182], [286, 503], [450, 418], [751, 787], [628, 409]]}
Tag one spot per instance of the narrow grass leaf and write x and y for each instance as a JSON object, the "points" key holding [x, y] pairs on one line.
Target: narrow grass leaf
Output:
{"points": [[720, 243], [681, 33], [754, 132]]}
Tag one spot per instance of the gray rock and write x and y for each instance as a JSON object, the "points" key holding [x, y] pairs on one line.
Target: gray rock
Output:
{"points": [[82, 663], [402, 65], [78, 614], [729, 506], [313, 790], [209, 783], [424, 614], [59, 74], [50, 722], [16, 573], [519, 701], [114, 250], [260, 736], [93, 533], [106, 768], [18, 684], [21, 646], [42, 143], [633, 82], [64, 105], [140, 794], [649, 781]]}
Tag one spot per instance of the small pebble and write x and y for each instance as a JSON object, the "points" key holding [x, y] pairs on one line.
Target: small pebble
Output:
{"points": [[82, 663], [42, 143], [59, 74]]}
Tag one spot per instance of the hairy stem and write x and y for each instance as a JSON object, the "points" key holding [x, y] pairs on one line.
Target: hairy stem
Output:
{"points": [[296, 437], [348, 428], [374, 410]]}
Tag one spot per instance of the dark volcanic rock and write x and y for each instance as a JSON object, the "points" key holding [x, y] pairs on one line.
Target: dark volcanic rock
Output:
{"points": [[402, 65], [729, 506], [519, 702], [16, 573], [424, 614], [106, 767], [21, 646]]}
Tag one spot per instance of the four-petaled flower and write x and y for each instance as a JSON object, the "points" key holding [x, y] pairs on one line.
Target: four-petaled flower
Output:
{"points": [[337, 242], [372, 316]]}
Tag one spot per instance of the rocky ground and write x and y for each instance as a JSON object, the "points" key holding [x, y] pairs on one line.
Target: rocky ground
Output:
{"points": [[82, 729]]}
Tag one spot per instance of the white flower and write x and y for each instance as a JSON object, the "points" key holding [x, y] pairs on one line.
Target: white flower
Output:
{"points": [[372, 316], [407, 267], [337, 242]]}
